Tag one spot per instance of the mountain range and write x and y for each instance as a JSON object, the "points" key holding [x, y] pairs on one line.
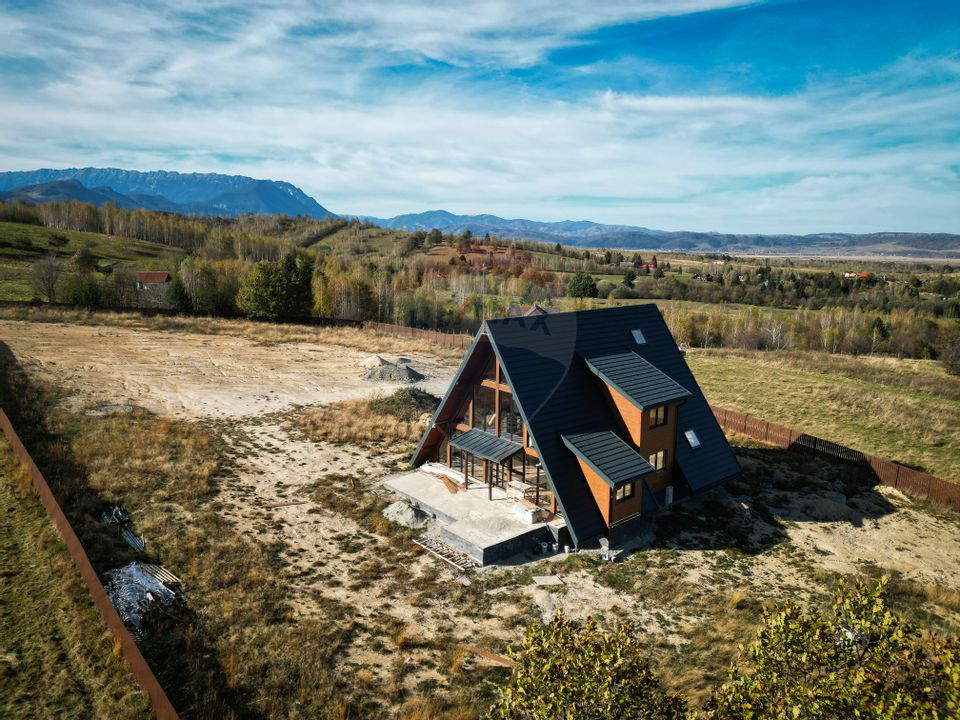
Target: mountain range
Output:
{"points": [[189, 193], [231, 195]]}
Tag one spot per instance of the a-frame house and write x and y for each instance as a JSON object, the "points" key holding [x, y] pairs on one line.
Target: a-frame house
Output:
{"points": [[595, 414]]}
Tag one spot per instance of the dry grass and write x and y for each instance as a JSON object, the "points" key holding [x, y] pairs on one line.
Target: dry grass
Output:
{"points": [[902, 410], [57, 658], [263, 332], [374, 422]]}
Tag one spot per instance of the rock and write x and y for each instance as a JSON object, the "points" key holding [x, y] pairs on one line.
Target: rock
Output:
{"points": [[404, 514]]}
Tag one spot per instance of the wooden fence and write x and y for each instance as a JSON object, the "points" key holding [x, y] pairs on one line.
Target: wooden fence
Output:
{"points": [[131, 653], [450, 339], [910, 481]]}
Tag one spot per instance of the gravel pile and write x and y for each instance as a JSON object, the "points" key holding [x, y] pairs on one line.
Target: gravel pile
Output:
{"points": [[394, 373]]}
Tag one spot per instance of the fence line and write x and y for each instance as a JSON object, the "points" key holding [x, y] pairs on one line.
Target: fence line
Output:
{"points": [[910, 481], [455, 340], [141, 671]]}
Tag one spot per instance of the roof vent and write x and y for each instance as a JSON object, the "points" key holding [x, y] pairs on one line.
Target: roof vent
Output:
{"points": [[692, 438], [638, 336]]}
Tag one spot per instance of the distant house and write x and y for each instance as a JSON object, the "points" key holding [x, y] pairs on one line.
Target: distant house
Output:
{"points": [[149, 279], [594, 414], [849, 275], [531, 311]]}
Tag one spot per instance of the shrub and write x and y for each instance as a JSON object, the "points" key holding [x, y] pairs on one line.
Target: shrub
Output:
{"points": [[567, 670], [861, 661], [582, 285]]}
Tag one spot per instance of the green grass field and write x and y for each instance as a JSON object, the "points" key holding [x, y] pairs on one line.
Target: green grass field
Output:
{"points": [[22, 245], [902, 410], [57, 658]]}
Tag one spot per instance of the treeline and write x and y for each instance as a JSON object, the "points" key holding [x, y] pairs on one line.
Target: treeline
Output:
{"points": [[257, 237], [903, 333]]}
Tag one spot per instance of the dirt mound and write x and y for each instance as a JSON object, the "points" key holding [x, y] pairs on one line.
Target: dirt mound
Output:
{"points": [[394, 373], [374, 361], [403, 514]]}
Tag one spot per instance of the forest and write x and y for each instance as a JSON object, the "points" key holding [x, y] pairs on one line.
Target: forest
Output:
{"points": [[348, 269]]}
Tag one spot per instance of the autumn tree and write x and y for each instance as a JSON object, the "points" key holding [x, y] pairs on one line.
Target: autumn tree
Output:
{"points": [[568, 671], [859, 661]]}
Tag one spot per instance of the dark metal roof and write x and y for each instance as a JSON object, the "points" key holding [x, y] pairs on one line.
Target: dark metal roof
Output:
{"points": [[636, 379], [608, 456], [486, 445], [557, 394]]}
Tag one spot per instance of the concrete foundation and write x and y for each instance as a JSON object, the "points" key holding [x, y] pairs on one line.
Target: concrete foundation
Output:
{"points": [[487, 530]]}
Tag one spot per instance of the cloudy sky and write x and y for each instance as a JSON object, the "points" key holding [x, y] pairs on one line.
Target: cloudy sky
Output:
{"points": [[778, 116]]}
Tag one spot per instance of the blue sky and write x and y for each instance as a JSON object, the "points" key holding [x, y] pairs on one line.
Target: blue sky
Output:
{"points": [[779, 116]]}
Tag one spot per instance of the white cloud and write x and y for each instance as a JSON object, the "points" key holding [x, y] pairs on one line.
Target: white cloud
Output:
{"points": [[135, 86]]}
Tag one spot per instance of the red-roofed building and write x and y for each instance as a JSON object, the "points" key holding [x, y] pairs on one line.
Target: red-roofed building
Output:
{"points": [[152, 278]]}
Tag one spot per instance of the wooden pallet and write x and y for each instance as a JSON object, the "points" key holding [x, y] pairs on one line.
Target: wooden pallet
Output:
{"points": [[459, 560]]}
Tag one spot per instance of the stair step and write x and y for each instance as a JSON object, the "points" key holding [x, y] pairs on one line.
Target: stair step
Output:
{"points": [[435, 547]]}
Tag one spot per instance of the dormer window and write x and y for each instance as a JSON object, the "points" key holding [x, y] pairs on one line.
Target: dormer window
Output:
{"points": [[692, 438], [638, 336]]}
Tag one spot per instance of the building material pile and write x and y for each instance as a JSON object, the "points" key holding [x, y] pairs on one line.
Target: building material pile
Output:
{"points": [[142, 593]]}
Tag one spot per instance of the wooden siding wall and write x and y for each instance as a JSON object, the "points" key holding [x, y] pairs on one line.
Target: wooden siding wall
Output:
{"points": [[601, 491], [647, 439]]}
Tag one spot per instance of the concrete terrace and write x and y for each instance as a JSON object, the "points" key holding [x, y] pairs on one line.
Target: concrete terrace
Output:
{"points": [[486, 529]]}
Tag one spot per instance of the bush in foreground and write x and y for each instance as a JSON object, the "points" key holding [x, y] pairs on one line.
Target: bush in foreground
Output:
{"points": [[860, 660], [569, 671]]}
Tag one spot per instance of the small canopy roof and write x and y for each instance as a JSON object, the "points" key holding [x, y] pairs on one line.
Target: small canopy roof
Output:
{"points": [[608, 456], [486, 446], [636, 379]]}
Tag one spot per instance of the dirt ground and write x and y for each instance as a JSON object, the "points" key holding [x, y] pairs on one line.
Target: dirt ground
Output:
{"points": [[794, 538], [197, 375]]}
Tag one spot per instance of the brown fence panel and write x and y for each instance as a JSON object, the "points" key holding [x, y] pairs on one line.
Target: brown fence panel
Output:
{"points": [[913, 482], [131, 653], [453, 340]]}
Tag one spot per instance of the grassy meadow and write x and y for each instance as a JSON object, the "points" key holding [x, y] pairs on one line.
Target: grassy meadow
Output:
{"points": [[902, 410], [21, 245], [57, 658]]}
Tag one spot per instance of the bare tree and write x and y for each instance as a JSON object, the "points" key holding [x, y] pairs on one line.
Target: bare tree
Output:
{"points": [[46, 272]]}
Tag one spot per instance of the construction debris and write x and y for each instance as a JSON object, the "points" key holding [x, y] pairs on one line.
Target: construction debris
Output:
{"points": [[142, 593], [137, 543], [115, 515], [439, 549], [547, 580]]}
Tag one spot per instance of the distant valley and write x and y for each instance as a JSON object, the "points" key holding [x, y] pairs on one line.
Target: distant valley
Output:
{"points": [[212, 194]]}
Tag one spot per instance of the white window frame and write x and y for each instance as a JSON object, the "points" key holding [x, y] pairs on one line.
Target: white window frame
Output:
{"points": [[692, 439]]}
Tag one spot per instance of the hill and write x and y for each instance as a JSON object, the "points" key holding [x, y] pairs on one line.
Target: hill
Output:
{"points": [[21, 245], [584, 233], [188, 193]]}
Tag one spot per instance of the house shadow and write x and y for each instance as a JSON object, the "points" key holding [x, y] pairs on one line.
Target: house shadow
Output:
{"points": [[777, 486], [175, 654]]}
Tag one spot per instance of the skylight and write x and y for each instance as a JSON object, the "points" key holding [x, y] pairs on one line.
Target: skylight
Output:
{"points": [[638, 336], [692, 438]]}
